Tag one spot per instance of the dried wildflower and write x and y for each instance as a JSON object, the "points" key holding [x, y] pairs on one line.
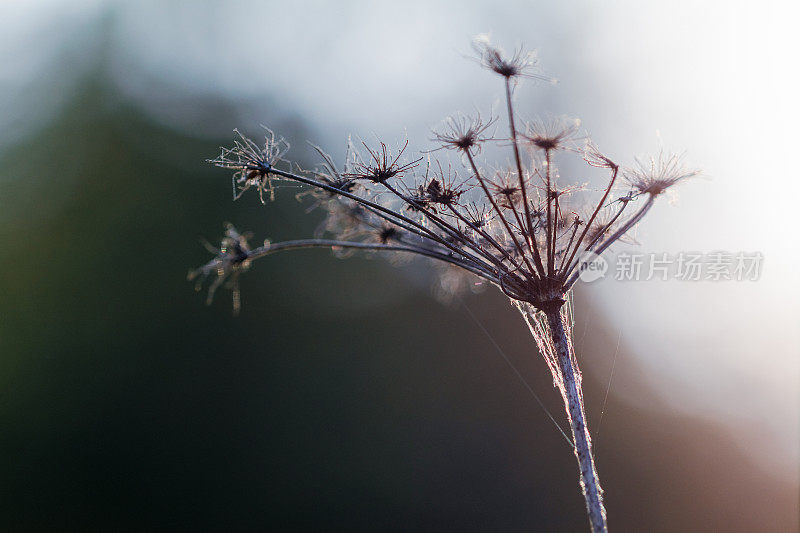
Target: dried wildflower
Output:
{"points": [[252, 163], [442, 190], [518, 64], [462, 132], [330, 175], [516, 230], [551, 134], [381, 166], [595, 158], [658, 174], [478, 215], [505, 186]]}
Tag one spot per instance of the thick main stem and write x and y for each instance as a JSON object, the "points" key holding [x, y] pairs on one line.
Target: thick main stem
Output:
{"points": [[573, 400]]}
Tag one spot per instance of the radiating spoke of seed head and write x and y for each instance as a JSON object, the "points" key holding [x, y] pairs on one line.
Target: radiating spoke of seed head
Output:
{"points": [[655, 175], [463, 132], [520, 63], [552, 133]]}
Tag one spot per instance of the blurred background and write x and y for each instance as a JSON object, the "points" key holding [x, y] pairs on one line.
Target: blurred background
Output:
{"points": [[345, 396]]}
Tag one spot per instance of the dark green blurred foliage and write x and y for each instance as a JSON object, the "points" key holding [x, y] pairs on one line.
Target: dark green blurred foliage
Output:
{"points": [[343, 397], [128, 404]]}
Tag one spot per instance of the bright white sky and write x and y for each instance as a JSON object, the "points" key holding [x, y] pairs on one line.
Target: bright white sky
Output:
{"points": [[717, 79]]}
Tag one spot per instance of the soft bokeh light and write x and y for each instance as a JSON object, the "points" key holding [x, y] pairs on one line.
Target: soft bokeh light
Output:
{"points": [[714, 79]]}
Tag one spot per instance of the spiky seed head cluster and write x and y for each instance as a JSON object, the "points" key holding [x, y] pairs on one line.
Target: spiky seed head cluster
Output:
{"points": [[382, 165], [657, 174], [520, 63], [517, 226], [252, 163], [463, 132], [552, 133]]}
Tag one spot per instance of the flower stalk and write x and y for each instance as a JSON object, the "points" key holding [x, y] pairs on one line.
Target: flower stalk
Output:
{"points": [[572, 394]]}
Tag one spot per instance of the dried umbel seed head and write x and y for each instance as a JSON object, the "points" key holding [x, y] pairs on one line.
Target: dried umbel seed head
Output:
{"points": [[506, 187], [462, 132], [516, 227], [330, 175], [478, 215], [520, 63], [439, 194], [381, 165], [595, 158], [552, 133], [253, 164], [442, 188], [657, 174]]}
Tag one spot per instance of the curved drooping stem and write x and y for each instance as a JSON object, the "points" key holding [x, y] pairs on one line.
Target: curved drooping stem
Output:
{"points": [[271, 248], [570, 385]]}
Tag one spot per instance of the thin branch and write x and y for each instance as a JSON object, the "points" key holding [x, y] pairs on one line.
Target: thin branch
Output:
{"points": [[498, 211], [594, 215], [271, 248]]}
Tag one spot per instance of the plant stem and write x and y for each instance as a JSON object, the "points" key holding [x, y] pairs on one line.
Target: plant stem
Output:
{"points": [[573, 401]]}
